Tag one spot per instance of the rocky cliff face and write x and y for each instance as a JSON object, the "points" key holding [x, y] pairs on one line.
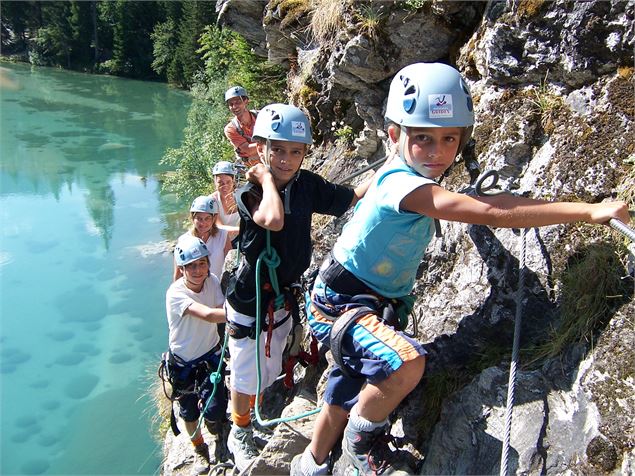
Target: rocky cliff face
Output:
{"points": [[553, 88]]}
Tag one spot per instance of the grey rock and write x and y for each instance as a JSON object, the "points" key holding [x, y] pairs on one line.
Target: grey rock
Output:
{"points": [[244, 17]]}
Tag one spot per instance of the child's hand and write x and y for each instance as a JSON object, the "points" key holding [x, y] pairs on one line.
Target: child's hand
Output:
{"points": [[603, 212], [258, 174]]}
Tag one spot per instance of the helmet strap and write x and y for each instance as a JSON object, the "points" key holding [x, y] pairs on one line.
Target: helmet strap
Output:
{"points": [[267, 159], [402, 143]]}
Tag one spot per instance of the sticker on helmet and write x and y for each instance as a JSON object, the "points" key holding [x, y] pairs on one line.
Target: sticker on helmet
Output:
{"points": [[298, 129], [440, 106], [196, 253]]}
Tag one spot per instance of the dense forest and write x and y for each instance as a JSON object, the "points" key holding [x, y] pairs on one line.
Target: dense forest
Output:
{"points": [[145, 40], [175, 42]]}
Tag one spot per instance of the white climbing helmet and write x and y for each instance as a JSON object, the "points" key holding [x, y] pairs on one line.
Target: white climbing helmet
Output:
{"points": [[204, 204], [283, 122], [235, 92], [223, 167], [429, 95], [189, 249]]}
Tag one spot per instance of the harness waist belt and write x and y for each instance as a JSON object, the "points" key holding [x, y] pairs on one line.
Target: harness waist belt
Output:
{"points": [[240, 331], [341, 280], [175, 359]]}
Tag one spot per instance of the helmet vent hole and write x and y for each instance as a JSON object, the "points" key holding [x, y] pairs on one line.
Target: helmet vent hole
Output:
{"points": [[409, 105]]}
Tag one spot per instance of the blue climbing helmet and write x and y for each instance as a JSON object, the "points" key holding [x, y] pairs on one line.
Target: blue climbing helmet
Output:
{"points": [[223, 167], [430, 95], [234, 92], [189, 249], [283, 122], [204, 204]]}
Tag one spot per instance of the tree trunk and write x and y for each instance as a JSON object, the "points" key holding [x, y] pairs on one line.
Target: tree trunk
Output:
{"points": [[93, 10]]}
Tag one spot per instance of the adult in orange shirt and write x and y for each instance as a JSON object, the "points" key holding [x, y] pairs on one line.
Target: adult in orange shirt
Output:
{"points": [[240, 129]]}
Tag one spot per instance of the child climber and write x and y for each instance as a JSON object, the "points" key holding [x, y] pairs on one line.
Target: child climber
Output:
{"points": [[430, 116], [204, 213], [225, 182], [194, 309], [275, 208]]}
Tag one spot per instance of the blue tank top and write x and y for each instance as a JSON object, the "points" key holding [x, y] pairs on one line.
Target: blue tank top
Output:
{"points": [[381, 244]]}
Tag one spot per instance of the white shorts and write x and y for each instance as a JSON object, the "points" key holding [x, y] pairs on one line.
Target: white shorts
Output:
{"points": [[243, 375]]}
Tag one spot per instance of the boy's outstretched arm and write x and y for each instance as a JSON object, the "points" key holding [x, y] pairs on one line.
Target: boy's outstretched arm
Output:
{"points": [[508, 211], [269, 212]]}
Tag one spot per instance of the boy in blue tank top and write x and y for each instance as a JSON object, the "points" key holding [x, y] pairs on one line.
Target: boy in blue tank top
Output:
{"points": [[430, 116]]}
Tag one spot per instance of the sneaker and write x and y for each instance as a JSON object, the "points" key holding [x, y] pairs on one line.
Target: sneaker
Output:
{"points": [[368, 453], [201, 459], [241, 444]]}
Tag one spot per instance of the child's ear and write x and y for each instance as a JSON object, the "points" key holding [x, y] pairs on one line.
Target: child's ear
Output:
{"points": [[393, 133], [260, 148]]}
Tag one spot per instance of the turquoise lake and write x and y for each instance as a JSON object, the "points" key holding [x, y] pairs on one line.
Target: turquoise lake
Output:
{"points": [[82, 275]]}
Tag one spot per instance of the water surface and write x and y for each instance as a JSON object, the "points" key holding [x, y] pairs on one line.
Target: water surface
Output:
{"points": [[82, 282]]}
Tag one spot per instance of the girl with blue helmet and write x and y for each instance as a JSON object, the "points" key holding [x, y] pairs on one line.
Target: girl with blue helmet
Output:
{"points": [[204, 214], [194, 308], [275, 207], [430, 116]]}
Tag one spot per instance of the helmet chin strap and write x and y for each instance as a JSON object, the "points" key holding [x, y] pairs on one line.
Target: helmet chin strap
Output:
{"points": [[267, 158], [402, 143], [402, 148]]}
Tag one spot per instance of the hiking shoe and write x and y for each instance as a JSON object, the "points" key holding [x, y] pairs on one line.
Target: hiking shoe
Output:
{"points": [[368, 453], [241, 444], [201, 459]]}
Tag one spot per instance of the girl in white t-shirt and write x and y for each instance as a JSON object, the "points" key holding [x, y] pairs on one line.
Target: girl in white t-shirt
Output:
{"points": [[194, 308], [204, 213]]}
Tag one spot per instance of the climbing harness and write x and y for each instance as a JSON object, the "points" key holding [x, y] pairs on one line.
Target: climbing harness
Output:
{"points": [[360, 301], [172, 369]]}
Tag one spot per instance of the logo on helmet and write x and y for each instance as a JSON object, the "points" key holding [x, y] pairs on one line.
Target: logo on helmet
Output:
{"points": [[298, 129], [440, 106]]}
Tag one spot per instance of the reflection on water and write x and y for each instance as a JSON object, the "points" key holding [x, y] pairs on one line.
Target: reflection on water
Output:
{"points": [[82, 320]]}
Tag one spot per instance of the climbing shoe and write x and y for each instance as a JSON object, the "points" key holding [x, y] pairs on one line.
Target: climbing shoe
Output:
{"points": [[241, 444], [201, 459], [368, 453]]}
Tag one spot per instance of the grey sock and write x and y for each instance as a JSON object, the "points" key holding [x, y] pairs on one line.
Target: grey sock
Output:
{"points": [[309, 467], [359, 423]]}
